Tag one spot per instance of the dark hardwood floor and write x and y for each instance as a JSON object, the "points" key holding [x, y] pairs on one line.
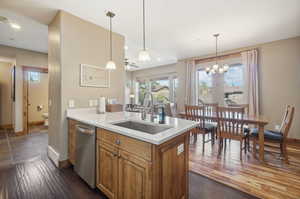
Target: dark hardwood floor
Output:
{"points": [[27, 173]]}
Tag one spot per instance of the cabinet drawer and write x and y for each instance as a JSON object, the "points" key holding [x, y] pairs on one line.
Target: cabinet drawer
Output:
{"points": [[136, 147], [107, 136], [131, 145]]}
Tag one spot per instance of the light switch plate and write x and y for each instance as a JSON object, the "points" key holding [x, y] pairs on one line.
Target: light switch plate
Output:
{"points": [[71, 103], [95, 102], [277, 127]]}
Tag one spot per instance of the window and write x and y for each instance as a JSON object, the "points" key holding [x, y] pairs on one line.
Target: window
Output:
{"points": [[223, 89], [141, 88], [160, 88], [163, 89], [234, 84], [34, 77], [205, 87]]}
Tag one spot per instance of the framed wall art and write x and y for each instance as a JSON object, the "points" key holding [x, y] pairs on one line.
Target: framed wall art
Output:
{"points": [[94, 76]]}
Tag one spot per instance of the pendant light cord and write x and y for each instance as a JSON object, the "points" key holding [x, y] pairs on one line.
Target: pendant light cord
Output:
{"points": [[111, 38], [217, 49], [144, 32]]}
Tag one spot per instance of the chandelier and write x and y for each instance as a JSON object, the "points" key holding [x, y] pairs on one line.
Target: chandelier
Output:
{"points": [[216, 68]]}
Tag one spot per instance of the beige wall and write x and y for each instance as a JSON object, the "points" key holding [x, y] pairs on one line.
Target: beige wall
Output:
{"points": [[22, 58], [279, 67], [54, 57], [280, 81], [5, 93], [38, 96], [86, 43], [81, 42]]}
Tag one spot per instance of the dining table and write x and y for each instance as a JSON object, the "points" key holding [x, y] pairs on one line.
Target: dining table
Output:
{"points": [[258, 121]]}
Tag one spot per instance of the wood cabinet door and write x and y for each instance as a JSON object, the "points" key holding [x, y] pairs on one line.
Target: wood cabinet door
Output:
{"points": [[107, 169], [134, 180], [72, 140], [174, 168]]}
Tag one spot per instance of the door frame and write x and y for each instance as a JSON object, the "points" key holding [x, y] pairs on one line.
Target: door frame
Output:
{"points": [[26, 70]]}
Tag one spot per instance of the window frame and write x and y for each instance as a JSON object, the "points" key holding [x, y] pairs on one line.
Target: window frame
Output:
{"points": [[245, 86], [216, 80], [197, 83], [148, 79], [32, 80]]}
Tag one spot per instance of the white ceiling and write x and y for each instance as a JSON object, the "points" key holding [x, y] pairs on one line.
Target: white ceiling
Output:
{"points": [[176, 29], [33, 35]]}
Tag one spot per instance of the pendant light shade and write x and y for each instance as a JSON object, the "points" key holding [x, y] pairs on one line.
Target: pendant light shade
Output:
{"points": [[144, 54], [110, 65]]}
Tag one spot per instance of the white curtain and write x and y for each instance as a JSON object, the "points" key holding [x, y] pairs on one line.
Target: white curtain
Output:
{"points": [[190, 83], [250, 60]]}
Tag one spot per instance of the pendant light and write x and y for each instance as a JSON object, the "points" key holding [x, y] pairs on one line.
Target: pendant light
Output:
{"points": [[110, 65], [144, 54], [216, 68]]}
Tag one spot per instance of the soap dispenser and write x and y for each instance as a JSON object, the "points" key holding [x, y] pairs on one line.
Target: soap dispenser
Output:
{"points": [[162, 115]]}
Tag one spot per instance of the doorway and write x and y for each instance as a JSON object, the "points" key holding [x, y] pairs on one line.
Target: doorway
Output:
{"points": [[6, 95], [35, 99]]}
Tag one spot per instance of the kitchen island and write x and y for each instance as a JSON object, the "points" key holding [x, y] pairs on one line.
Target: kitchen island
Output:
{"points": [[137, 158]]}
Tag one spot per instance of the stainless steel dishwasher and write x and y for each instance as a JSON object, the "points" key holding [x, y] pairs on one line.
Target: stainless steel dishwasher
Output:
{"points": [[85, 164]]}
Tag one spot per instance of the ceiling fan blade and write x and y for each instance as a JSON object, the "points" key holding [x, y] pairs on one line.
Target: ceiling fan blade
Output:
{"points": [[132, 65]]}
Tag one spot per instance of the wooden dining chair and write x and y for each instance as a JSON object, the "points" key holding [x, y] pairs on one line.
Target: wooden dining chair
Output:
{"points": [[231, 126], [196, 113], [212, 107], [210, 110], [277, 137], [246, 111]]}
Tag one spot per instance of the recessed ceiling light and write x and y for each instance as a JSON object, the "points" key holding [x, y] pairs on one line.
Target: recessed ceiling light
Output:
{"points": [[125, 47], [15, 26]]}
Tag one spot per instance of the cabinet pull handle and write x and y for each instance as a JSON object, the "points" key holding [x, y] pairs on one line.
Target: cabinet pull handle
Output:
{"points": [[115, 154], [118, 142]]}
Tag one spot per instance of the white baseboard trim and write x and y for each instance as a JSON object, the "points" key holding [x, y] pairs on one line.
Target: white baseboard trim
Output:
{"points": [[53, 155]]}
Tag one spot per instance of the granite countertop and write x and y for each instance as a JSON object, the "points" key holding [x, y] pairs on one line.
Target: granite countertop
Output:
{"points": [[89, 116]]}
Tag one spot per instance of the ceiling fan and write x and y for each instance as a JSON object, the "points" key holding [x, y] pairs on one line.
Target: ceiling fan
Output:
{"points": [[129, 64]]}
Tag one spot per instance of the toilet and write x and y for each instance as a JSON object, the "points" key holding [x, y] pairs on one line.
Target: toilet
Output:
{"points": [[45, 117]]}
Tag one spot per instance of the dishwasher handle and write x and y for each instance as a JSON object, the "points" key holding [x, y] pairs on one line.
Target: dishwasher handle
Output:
{"points": [[85, 130]]}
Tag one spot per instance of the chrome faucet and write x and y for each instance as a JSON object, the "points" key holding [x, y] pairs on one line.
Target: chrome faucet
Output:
{"points": [[150, 107]]}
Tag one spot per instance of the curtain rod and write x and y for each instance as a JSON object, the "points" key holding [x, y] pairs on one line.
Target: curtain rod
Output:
{"points": [[220, 57]]}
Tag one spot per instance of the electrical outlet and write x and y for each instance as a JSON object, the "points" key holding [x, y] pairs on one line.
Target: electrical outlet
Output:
{"points": [[71, 103], [180, 149]]}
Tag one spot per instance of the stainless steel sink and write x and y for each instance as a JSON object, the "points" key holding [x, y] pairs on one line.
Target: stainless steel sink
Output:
{"points": [[144, 127]]}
